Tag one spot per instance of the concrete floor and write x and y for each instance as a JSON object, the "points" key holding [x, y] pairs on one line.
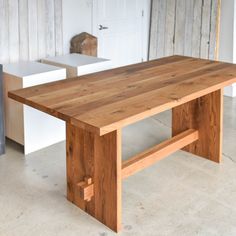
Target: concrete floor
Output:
{"points": [[181, 195]]}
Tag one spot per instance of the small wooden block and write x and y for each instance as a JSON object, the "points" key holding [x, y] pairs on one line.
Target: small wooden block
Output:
{"points": [[86, 189]]}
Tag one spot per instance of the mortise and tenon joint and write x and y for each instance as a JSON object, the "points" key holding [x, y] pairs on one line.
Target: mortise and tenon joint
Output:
{"points": [[86, 189]]}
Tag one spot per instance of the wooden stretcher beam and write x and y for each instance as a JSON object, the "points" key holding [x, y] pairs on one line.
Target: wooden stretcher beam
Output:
{"points": [[158, 152]]}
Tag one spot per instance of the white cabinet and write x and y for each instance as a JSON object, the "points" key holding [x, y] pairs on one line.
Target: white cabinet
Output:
{"points": [[25, 125], [78, 64]]}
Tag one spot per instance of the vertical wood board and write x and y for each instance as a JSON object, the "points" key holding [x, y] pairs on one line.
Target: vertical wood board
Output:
{"points": [[196, 34], [23, 30], [205, 29], [187, 27], [169, 27], [4, 32], [205, 115], [180, 27], [2, 132], [30, 29]]}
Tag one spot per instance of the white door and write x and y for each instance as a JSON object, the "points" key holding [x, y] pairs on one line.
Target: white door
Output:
{"points": [[118, 24]]}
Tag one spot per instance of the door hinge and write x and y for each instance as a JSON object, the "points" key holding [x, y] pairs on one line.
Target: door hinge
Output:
{"points": [[142, 13]]}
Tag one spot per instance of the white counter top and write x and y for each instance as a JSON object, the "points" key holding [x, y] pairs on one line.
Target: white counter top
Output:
{"points": [[78, 64], [25, 69], [76, 59]]}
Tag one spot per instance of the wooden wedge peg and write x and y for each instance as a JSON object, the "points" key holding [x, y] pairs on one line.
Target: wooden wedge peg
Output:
{"points": [[86, 189]]}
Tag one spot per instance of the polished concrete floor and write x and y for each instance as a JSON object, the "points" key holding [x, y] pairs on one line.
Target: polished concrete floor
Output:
{"points": [[181, 195]]}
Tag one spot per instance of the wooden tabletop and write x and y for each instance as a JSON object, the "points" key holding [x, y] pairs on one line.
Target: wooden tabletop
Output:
{"points": [[106, 101]]}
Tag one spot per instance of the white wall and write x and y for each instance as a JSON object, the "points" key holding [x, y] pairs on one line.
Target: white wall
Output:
{"points": [[77, 18]]}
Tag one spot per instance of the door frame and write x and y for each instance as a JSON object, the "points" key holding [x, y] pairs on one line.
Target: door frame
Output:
{"points": [[145, 11]]}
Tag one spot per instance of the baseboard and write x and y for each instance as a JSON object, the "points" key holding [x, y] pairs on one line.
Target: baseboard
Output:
{"points": [[230, 91]]}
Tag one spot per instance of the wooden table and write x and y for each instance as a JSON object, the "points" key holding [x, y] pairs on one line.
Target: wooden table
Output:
{"points": [[96, 107]]}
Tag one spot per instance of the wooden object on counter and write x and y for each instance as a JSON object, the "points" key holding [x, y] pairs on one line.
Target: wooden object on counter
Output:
{"points": [[84, 43]]}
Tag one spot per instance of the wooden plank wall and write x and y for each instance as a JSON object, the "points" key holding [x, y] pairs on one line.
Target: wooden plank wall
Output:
{"points": [[30, 29], [2, 133], [184, 27]]}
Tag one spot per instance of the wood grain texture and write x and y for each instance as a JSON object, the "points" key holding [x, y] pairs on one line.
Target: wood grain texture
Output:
{"points": [[4, 32], [205, 29], [30, 29], [13, 30], [109, 100], [23, 31], [41, 25], [50, 28], [184, 27], [157, 153], [215, 30], [2, 129], [84, 43], [169, 28], [58, 27], [205, 115], [153, 29], [197, 22], [33, 30], [99, 158], [14, 125], [161, 11], [180, 20], [188, 28]]}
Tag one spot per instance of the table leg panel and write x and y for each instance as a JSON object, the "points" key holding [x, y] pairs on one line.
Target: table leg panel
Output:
{"points": [[97, 157], [205, 115]]}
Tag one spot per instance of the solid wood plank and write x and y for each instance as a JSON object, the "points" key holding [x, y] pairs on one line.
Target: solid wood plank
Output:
{"points": [[153, 29], [205, 29], [33, 29], [23, 30], [215, 29], [191, 28], [205, 115], [104, 93], [128, 97], [2, 129], [58, 27], [170, 27], [13, 30], [4, 33], [14, 128], [109, 76], [50, 28], [180, 20], [161, 28], [188, 28], [197, 22], [42, 34], [30, 30], [107, 97], [157, 153], [98, 158]]}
